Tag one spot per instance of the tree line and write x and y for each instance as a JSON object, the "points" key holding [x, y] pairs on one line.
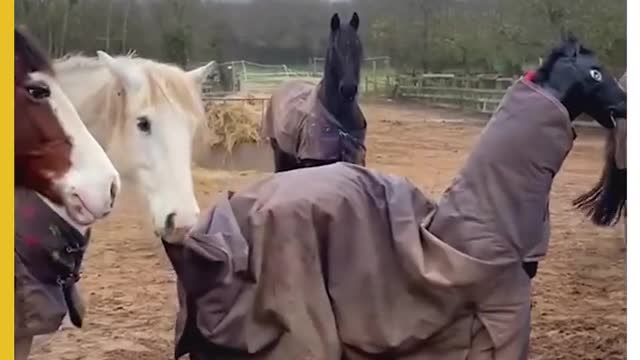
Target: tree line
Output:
{"points": [[419, 35]]}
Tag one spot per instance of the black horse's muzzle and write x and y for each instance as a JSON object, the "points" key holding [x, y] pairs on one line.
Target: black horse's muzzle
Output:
{"points": [[349, 91], [618, 111]]}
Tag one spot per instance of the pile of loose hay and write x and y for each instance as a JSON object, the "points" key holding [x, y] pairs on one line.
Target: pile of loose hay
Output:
{"points": [[231, 123]]}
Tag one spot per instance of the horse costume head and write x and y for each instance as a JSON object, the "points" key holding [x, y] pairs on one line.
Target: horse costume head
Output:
{"points": [[573, 75]]}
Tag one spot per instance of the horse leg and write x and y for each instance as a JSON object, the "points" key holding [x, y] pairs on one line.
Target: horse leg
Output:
{"points": [[22, 347], [314, 163], [277, 155], [625, 227], [281, 160]]}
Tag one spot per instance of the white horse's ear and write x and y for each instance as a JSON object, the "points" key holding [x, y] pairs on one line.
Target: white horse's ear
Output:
{"points": [[130, 76], [199, 74]]}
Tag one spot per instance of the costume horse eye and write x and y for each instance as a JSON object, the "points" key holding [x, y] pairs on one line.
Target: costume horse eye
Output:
{"points": [[144, 124], [39, 91], [596, 75]]}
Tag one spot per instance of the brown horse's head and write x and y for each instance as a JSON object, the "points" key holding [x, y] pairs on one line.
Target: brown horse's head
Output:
{"points": [[54, 153]]}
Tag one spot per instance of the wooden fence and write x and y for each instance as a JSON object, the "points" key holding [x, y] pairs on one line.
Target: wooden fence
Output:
{"points": [[482, 94]]}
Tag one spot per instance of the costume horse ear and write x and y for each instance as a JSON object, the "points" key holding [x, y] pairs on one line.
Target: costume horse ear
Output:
{"points": [[571, 45], [130, 76], [355, 21], [335, 22]]}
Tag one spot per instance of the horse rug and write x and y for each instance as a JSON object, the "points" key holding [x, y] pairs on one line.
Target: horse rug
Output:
{"points": [[47, 253], [620, 134], [298, 121], [343, 262]]}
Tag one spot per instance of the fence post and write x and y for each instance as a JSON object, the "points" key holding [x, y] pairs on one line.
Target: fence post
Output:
{"points": [[374, 69], [462, 91], [244, 70], [233, 76]]}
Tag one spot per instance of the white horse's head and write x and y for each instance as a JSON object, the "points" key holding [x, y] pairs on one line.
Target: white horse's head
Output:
{"points": [[161, 108]]}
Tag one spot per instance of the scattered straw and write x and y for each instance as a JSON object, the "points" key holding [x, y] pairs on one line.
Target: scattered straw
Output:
{"points": [[232, 123]]}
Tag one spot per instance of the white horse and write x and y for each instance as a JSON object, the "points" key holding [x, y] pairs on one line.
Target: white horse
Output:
{"points": [[144, 114]]}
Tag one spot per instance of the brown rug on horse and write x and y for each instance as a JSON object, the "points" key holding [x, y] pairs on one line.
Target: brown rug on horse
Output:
{"points": [[304, 128], [48, 253], [342, 262]]}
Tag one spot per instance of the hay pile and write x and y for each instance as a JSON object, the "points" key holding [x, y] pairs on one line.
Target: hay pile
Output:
{"points": [[231, 123]]}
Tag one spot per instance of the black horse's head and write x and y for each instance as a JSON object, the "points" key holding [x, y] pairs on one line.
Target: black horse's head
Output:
{"points": [[574, 75], [344, 57]]}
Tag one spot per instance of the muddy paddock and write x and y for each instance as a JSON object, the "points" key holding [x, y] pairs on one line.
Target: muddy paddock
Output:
{"points": [[579, 303]]}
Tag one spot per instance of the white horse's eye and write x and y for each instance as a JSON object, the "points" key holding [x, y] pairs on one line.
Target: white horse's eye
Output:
{"points": [[596, 75], [144, 124]]}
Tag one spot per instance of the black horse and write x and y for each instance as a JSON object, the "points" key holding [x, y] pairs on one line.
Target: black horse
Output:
{"points": [[573, 75], [311, 125]]}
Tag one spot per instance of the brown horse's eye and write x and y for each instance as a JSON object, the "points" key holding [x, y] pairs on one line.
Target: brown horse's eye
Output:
{"points": [[39, 91], [144, 124]]}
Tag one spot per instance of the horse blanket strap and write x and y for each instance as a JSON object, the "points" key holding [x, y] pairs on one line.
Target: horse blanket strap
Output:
{"points": [[351, 143], [48, 257], [303, 127]]}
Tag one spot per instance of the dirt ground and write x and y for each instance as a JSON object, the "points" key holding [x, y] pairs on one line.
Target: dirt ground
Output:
{"points": [[580, 298]]}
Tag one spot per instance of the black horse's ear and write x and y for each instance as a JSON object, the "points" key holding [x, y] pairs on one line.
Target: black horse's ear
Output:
{"points": [[571, 44], [571, 37], [335, 22], [355, 21]]}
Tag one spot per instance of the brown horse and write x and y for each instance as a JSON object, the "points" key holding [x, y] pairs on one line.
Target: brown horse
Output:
{"points": [[311, 125], [64, 182]]}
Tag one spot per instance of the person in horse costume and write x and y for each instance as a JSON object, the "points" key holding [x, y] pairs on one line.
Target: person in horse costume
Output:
{"points": [[312, 125], [344, 262], [64, 182]]}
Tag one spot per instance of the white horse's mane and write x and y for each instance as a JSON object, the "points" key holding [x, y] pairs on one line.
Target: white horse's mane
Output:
{"points": [[168, 81]]}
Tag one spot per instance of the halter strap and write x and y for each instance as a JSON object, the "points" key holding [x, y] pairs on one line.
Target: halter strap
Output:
{"points": [[346, 135]]}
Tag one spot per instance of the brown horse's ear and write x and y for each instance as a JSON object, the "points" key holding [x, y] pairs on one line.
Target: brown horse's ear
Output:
{"points": [[19, 45], [335, 22], [355, 21], [28, 54]]}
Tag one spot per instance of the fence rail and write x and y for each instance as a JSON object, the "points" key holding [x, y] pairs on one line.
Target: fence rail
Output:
{"points": [[452, 91], [481, 93], [464, 93]]}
